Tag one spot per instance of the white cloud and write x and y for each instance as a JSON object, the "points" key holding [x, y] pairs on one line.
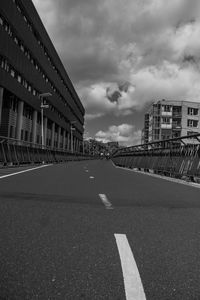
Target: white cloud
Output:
{"points": [[154, 45], [125, 134]]}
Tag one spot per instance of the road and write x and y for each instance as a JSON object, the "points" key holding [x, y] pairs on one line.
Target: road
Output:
{"points": [[62, 226]]}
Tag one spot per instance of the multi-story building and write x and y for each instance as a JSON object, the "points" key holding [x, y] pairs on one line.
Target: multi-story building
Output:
{"points": [[29, 68], [171, 119]]}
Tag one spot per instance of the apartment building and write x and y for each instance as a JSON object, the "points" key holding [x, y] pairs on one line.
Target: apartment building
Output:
{"points": [[29, 68], [167, 119]]}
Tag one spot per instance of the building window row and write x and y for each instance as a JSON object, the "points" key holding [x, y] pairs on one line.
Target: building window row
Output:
{"points": [[27, 53], [193, 111], [192, 123], [167, 108], [166, 120], [37, 36], [6, 66]]}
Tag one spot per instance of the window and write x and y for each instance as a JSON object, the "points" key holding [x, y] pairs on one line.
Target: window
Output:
{"points": [[25, 84], [19, 9], [22, 134], [12, 73], [167, 108], [22, 47], [26, 135], [16, 40], [19, 78], [192, 123], [192, 111], [165, 120], [2, 62], [11, 132]]}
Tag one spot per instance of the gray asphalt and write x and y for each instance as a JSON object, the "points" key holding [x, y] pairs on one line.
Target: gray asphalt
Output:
{"points": [[57, 238]]}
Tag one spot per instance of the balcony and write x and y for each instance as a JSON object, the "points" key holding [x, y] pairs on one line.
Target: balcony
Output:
{"points": [[176, 125], [177, 115]]}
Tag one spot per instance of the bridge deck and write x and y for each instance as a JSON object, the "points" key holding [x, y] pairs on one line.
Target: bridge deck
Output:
{"points": [[62, 227]]}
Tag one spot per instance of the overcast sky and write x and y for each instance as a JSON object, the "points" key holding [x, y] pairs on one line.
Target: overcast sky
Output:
{"points": [[122, 55]]}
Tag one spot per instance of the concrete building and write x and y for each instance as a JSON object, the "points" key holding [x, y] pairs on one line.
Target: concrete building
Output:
{"points": [[170, 119], [30, 67]]}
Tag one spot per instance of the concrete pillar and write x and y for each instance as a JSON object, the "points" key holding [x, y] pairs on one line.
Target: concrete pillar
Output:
{"points": [[34, 126], [52, 134], [75, 144], [1, 101], [68, 141], [59, 136], [19, 119], [78, 145], [64, 139], [45, 130]]}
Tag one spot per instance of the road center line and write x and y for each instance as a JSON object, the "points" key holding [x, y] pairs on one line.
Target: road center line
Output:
{"points": [[16, 173], [106, 202], [132, 281]]}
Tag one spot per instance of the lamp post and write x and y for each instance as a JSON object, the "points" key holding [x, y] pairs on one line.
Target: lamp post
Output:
{"points": [[71, 131], [84, 136], [42, 106]]}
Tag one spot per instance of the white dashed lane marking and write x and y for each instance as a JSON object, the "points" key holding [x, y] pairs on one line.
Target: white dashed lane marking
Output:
{"points": [[106, 202], [132, 281], [91, 177]]}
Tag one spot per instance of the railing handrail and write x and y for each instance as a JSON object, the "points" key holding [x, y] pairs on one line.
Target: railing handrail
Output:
{"points": [[158, 143]]}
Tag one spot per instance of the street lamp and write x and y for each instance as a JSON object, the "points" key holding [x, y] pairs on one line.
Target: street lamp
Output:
{"points": [[71, 130], [42, 106], [84, 136]]}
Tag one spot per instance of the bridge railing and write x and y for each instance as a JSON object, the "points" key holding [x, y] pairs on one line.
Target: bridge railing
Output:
{"points": [[177, 157], [16, 152]]}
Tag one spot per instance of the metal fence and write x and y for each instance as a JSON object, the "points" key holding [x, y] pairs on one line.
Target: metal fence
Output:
{"points": [[15, 152], [178, 157]]}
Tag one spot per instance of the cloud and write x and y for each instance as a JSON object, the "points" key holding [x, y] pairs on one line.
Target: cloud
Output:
{"points": [[153, 46], [125, 134]]}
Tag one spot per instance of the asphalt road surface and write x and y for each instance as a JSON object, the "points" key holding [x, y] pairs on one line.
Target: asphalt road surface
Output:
{"points": [[88, 230]]}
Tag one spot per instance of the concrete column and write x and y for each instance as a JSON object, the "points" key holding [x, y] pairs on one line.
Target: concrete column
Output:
{"points": [[68, 141], [59, 136], [78, 145], [34, 126], [75, 144], [45, 130], [19, 119], [1, 101], [52, 134], [64, 139]]}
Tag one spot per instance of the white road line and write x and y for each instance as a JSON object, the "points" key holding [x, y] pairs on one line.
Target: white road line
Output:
{"points": [[16, 173], [91, 177], [106, 202], [132, 281]]}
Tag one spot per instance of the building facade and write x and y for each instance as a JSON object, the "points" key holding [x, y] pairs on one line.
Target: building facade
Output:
{"points": [[30, 67], [171, 119]]}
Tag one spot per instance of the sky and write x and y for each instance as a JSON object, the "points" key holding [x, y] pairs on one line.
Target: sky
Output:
{"points": [[123, 55]]}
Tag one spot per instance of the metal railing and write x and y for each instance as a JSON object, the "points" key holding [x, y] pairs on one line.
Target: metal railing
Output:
{"points": [[15, 152], [177, 157]]}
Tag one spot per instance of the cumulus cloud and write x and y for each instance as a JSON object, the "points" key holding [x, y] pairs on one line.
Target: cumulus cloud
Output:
{"points": [[125, 134]]}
